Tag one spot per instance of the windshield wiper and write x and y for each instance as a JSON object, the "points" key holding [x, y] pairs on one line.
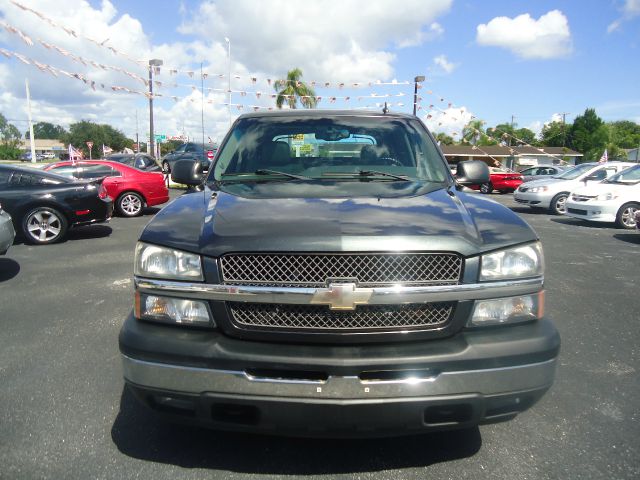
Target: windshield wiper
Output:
{"points": [[370, 173], [265, 171]]}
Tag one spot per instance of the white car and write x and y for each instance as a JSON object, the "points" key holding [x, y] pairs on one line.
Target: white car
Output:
{"points": [[553, 192], [616, 199]]}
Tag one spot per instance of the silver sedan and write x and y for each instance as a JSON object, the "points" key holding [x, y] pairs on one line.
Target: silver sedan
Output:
{"points": [[542, 171]]}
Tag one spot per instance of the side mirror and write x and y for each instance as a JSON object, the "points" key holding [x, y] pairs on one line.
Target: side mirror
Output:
{"points": [[187, 172], [592, 177], [472, 172]]}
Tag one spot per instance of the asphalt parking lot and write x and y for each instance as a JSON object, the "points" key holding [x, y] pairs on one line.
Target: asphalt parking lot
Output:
{"points": [[64, 414]]}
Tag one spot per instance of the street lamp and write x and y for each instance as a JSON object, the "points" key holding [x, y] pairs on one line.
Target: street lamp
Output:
{"points": [[152, 63], [418, 79], [226, 39]]}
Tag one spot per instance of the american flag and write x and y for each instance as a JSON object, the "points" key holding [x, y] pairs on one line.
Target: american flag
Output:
{"points": [[605, 157], [106, 150], [74, 154]]}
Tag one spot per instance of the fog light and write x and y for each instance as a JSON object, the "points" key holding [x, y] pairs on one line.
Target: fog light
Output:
{"points": [[172, 310], [508, 310]]}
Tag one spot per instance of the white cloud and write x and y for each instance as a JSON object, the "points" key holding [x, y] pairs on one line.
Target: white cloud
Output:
{"points": [[450, 120], [630, 10], [445, 65], [547, 37], [346, 40], [273, 37]]}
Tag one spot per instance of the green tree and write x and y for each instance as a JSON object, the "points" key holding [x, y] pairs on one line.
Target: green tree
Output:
{"points": [[293, 88], [46, 130], [624, 134], [525, 137], [100, 134], [555, 134], [589, 135], [444, 139], [502, 133], [9, 140]]}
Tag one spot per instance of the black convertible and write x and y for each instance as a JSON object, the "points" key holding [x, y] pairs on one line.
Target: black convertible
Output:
{"points": [[44, 205]]}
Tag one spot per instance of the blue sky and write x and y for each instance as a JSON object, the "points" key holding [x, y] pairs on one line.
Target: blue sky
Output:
{"points": [[489, 59]]}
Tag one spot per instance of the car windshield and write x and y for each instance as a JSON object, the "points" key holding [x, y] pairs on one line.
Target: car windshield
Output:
{"points": [[574, 172], [629, 176], [334, 147]]}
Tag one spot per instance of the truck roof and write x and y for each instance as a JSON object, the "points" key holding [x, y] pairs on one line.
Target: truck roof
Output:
{"points": [[316, 113]]}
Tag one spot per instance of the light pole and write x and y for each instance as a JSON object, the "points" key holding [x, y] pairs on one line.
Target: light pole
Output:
{"points": [[226, 39], [418, 79], [152, 63]]}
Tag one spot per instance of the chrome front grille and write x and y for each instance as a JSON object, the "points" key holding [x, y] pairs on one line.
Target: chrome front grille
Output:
{"points": [[321, 319], [366, 269]]}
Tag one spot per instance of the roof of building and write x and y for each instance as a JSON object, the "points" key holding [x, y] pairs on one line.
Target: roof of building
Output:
{"points": [[42, 143], [500, 151]]}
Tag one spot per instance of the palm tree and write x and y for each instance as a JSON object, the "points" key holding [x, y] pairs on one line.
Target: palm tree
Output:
{"points": [[470, 131], [292, 89]]}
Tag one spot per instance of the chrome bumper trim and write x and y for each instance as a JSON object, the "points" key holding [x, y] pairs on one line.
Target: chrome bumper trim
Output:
{"points": [[304, 296], [200, 380]]}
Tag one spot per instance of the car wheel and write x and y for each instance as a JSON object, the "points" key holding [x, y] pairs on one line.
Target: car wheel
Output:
{"points": [[486, 188], [626, 215], [166, 168], [44, 225], [558, 203], [130, 204]]}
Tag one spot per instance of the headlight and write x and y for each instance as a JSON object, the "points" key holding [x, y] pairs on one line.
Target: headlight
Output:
{"points": [[160, 262], [607, 196], [508, 310], [538, 189], [172, 310], [518, 262]]}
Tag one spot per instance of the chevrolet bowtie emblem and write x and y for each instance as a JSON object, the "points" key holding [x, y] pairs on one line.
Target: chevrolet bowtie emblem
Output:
{"points": [[342, 296]]}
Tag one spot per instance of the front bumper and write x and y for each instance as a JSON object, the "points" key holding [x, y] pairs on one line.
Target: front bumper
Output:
{"points": [[205, 377], [542, 200], [593, 211]]}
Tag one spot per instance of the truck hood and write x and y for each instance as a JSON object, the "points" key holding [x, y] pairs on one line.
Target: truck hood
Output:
{"points": [[335, 217]]}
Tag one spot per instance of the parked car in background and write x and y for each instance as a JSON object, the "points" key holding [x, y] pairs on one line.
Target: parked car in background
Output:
{"points": [[130, 188], [501, 179], [48, 155], [43, 205], [141, 161], [615, 199], [552, 193], [541, 171], [7, 231], [202, 152]]}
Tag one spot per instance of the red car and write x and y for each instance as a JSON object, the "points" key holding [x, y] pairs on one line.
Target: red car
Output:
{"points": [[500, 179], [131, 189]]}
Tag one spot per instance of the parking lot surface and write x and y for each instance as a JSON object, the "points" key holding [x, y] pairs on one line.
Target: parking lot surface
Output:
{"points": [[64, 414]]}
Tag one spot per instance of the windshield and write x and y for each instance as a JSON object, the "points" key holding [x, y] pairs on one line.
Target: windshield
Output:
{"points": [[575, 172], [336, 148], [630, 175]]}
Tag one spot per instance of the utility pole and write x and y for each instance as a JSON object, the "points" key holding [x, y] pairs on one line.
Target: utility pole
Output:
{"points": [[202, 103], [31, 139], [564, 135], [226, 39], [137, 139], [418, 79], [152, 63]]}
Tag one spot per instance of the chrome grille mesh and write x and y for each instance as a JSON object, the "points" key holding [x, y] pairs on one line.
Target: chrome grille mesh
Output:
{"points": [[367, 269], [320, 318]]}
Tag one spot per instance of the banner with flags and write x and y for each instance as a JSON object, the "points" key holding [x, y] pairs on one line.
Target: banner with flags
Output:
{"points": [[605, 157]]}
